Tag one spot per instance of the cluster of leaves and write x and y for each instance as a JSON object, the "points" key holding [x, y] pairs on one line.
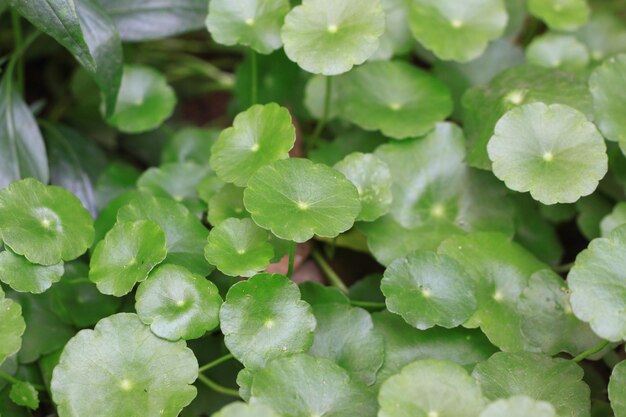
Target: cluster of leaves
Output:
{"points": [[472, 148]]}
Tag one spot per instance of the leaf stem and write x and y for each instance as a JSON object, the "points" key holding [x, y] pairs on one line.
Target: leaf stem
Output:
{"points": [[563, 268], [217, 387], [216, 362], [373, 305], [292, 259], [592, 351], [332, 276], [11, 379], [326, 112], [18, 39], [255, 77]]}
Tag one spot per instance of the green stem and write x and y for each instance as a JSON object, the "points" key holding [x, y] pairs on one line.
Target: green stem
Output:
{"points": [[18, 39], [11, 379], [326, 112], [216, 362], [563, 268], [368, 304], [255, 77], [217, 387], [292, 258], [332, 276], [592, 351]]}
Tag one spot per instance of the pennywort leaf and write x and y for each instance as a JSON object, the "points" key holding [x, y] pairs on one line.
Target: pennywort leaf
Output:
{"points": [[519, 406], [12, 327], [23, 276], [607, 87], [561, 14]]}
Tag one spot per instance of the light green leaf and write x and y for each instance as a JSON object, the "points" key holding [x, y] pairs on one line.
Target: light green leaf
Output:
{"points": [[46, 224], [285, 385], [617, 389], [560, 14], [253, 23], [553, 380], [500, 270], [259, 136], [484, 105], [227, 202], [145, 100], [143, 20], [604, 35], [185, 234], [177, 181], [238, 247], [24, 394], [346, 336], [552, 151], [458, 31], [264, 318], [297, 199], [548, 321], [315, 97], [608, 87], [519, 406], [245, 410], [372, 178], [87, 31], [177, 304], [405, 344], [429, 388], [126, 256], [137, 374], [24, 276], [22, 149], [108, 215], [328, 37], [555, 50], [394, 97], [12, 327], [429, 290], [613, 220], [397, 38], [77, 301], [598, 284], [190, 145]]}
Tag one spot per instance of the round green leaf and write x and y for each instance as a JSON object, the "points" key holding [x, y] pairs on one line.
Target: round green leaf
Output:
{"points": [[12, 327], [519, 406], [346, 336], [185, 234], [77, 301], [177, 304], [396, 98], [405, 344], [226, 203], [458, 31], [554, 50], [552, 151], [429, 388], [598, 284], [177, 181], [560, 14], [126, 256], [316, 294], [253, 23], [190, 145], [604, 35], [238, 247], [329, 37], [613, 220], [500, 270], [46, 224], [553, 380], [397, 39], [286, 385], [429, 290], [144, 102], [297, 199], [617, 389], [264, 318], [372, 179], [259, 136], [24, 394], [132, 372], [608, 87], [245, 410], [23, 276]]}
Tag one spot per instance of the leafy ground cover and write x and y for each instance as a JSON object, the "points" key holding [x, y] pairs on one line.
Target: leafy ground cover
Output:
{"points": [[316, 208]]}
